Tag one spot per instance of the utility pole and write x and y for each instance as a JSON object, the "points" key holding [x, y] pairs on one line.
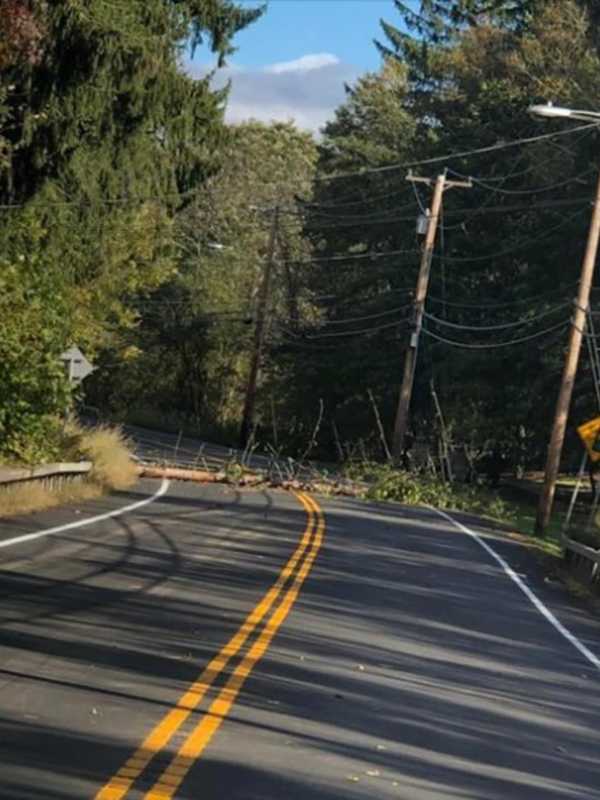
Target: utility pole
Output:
{"points": [[569, 371], [410, 362], [259, 335]]}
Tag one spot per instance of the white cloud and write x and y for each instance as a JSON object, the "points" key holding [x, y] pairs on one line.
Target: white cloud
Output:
{"points": [[304, 64], [306, 90]]}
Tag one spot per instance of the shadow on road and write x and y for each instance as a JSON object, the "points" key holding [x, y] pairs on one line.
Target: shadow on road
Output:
{"points": [[409, 668]]}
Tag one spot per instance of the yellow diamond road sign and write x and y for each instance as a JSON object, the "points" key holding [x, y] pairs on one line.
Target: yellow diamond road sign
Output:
{"points": [[589, 433]]}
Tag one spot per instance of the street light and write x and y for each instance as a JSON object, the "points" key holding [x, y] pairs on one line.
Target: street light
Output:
{"points": [[577, 329], [550, 111]]}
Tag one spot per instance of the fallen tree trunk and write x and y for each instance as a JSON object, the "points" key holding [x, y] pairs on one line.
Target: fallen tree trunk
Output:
{"points": [[178, 474], [199, 475], [251, 479]]}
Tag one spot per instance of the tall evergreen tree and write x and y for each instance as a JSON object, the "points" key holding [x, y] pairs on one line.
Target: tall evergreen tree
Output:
{"points": [[104, 137], [502, 241]]}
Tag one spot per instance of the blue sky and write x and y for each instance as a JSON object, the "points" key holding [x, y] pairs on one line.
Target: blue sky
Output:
{"points": [[293, 28], [292, 63]]}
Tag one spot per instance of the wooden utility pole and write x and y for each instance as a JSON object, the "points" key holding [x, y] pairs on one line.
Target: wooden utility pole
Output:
{"points": [[259, 336], [410, 362], [569, 371]]}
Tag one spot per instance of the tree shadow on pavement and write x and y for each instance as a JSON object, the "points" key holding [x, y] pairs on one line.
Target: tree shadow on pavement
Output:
{"points": [[410, 666]]}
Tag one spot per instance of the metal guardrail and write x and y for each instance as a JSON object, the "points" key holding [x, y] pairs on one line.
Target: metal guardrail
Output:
{"points": [[48, 473], [582, 559]]}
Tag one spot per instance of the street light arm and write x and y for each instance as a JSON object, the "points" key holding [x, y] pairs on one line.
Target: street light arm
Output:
{"points": [[548, 111]]}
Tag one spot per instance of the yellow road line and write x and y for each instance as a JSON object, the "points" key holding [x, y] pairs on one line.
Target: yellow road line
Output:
{"points": [[120, 783], [170, 780]]}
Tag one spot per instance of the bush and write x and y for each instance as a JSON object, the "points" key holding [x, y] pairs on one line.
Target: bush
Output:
{"points": [[108, 450], [387, 483], [34, 390]]}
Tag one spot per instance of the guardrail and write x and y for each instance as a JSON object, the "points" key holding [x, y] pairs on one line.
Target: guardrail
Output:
{"points": [[582, 560], [51, 475]]}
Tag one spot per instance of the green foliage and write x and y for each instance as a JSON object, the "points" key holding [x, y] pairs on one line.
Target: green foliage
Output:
{"points": [[441, 20], [387, 483], [506, 254], [196, 331], [142, 225], [95, 163], [33, 329]]}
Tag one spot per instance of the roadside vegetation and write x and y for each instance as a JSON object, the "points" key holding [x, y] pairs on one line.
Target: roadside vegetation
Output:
{"points": [[113, 468], [515, 516], [137, 224]]}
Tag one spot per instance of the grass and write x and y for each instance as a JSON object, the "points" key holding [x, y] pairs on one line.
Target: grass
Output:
{"points": [[27, 498], [523, 521], [112, 469], [514, 514], [108, 450], [508, 510], [549, 550]]}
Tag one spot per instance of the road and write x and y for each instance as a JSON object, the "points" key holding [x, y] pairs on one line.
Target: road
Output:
{"points": [[213, 644]]}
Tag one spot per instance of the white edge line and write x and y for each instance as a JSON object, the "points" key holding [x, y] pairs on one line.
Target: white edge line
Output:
{"points": [[28, 537], [544, 610]]}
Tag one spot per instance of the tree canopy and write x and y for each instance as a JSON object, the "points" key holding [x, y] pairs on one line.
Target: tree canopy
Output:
{"points": [[136, 223], [509, 248], [104, 135]]}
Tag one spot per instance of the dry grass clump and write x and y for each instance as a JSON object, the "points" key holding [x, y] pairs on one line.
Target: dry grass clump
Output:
{"points": [[108, 450], [113, 468], [25, 498]]}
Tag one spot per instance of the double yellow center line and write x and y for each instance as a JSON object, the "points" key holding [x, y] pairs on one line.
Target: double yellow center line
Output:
{"points": [[197, 740]]}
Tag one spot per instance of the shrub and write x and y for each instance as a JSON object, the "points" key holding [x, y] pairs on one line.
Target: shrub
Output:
{"points": [[25, 498], [387, 483], [108, 450], [113, 468]]}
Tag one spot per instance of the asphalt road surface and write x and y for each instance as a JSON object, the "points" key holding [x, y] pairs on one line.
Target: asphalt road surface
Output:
{"points": [[218, 645]]}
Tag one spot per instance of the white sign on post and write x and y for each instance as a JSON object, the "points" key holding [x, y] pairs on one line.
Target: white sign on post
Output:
{"points": [[77, 365]]}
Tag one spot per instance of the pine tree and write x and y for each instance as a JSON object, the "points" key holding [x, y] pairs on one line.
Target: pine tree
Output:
{"points": [[501, 241], [105, 137]]}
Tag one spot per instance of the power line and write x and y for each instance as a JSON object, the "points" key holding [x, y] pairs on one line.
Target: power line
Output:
{"points": [[346, 320], [451, 156], [497, 345], [516, 247], [311, 204], [467, 216], [536, 190], [360, 332], [536, 166], [418, 198], [373, 255], [507, 304], [344, 298], [502, 179], [123, 201], [455, 259], [504, 326]]}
